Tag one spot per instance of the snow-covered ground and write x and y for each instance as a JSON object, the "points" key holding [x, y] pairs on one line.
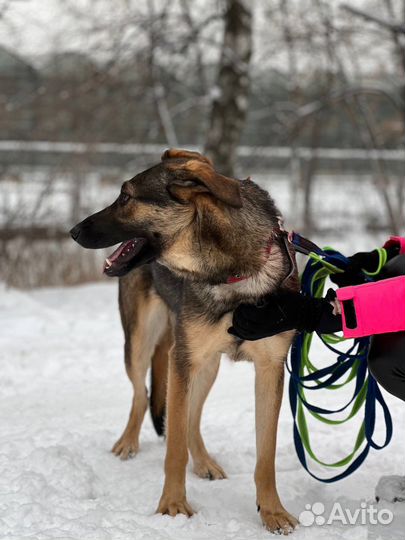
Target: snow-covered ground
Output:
{"points": [[64, 400]]}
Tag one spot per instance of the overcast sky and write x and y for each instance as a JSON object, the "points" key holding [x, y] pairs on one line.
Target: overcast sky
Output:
{"points": [[36, 26]]}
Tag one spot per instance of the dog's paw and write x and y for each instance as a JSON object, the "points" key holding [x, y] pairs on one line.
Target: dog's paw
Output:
{"points": [[280, 522], [125, 447], [208, 468], [172, 506], [391, 488]]}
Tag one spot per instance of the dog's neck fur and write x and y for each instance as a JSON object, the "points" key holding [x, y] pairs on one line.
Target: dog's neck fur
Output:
{"points": [[221, 242], [222, 246], [266, 280]]}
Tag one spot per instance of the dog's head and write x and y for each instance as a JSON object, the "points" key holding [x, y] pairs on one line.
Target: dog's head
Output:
{"points": [[155, 209]]}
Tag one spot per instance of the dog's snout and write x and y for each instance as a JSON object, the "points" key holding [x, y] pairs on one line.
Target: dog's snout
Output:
{"points": [[75, 232]]}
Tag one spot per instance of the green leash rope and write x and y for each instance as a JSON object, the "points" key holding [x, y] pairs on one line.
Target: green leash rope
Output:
{"points": [[307, 367]]}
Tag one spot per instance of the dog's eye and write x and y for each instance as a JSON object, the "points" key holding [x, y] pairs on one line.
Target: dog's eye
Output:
{"points": [[123, 198]]}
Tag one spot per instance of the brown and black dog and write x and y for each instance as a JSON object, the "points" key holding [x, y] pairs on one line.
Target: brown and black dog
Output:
{"points": [[212, 242]]}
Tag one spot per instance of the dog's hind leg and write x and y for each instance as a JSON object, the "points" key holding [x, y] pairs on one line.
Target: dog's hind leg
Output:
{"points": [[141, 339], [203, 464], [158, 381]]}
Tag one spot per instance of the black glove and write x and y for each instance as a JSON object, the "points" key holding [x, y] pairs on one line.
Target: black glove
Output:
{"points": [[282, 312], [364, 260]]}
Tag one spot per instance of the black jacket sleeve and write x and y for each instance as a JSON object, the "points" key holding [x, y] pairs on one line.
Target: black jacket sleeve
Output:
{"points": [[282, 312]]}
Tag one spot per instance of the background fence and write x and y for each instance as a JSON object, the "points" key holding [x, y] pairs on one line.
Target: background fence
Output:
{"points": [[46, 187]]}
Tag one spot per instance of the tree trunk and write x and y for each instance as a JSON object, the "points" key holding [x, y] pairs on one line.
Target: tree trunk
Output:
{"points": [[230, 94], [308, 176]]}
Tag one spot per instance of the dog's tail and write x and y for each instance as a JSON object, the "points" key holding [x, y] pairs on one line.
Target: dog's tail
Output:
{"points": [[158, 383]]}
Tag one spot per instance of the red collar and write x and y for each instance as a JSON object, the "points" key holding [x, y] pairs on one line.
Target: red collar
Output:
{"points": [[237, 277]]}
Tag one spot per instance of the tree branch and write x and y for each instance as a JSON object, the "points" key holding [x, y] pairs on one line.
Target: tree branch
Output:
{"points": [[388, 25]]}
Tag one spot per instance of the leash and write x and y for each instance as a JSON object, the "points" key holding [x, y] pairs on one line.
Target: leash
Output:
{"points": [[350, 367]]}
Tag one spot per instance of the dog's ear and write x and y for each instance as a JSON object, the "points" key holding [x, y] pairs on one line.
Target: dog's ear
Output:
{"points": [[195, 176], [177, 153]]}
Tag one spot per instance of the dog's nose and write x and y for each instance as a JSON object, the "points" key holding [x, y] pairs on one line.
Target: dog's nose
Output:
{"points": [[75, 232]]}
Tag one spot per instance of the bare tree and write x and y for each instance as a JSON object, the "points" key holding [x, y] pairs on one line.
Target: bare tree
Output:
{"points": [[230, 95], [397, 32], [371, 132], [155, 25]]}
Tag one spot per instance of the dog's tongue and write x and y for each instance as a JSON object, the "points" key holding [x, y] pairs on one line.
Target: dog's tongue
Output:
{"points": [[123, 253]]}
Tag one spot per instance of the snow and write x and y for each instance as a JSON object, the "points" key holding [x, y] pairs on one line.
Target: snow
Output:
{"points": [[64, 400]]}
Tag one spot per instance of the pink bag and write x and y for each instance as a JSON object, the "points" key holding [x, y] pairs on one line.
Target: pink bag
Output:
{"points": [[372, 308]]}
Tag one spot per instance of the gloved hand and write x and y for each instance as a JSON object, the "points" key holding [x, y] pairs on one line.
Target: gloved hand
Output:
{"points": [[282, 312], [364, 260]]}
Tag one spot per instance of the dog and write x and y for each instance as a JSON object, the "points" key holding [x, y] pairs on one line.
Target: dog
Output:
{"points": [[194, 245]]}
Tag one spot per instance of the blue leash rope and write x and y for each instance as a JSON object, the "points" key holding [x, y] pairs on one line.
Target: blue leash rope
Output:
{"points": [[352, 363]]}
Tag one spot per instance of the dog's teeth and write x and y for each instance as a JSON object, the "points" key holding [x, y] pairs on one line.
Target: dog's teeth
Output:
{"points": [[108, 263]]}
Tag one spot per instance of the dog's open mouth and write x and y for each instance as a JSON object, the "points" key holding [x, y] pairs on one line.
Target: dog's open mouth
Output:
{"points": [[127, 256]]}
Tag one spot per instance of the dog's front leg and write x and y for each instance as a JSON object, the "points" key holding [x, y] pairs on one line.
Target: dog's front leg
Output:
{"points": [[173, 500], [269, 392]]}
